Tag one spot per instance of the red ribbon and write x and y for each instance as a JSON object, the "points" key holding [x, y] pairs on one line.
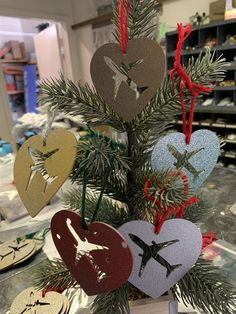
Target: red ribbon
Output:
{"points": [[124, 9], [208, 239], [186, 82], [49, 289], [178, 211]]}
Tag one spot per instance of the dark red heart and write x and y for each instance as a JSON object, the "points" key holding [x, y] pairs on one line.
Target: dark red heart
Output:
{"points": [[105, 265]]}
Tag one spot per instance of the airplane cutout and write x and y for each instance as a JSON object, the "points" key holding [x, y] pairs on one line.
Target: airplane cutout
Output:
{"points": [[151, 251], [14, 249], [120, 77], [84, 248], [183, 160], [39, 159], [33, 304]]}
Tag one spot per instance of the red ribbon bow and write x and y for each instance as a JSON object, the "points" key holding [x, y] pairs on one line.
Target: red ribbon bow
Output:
{"points": [[178, 211]]}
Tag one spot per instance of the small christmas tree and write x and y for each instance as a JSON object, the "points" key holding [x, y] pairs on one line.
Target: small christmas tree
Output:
{"points": [[121, 169]]}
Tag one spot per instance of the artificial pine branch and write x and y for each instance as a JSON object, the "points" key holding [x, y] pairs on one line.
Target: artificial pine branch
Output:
{"points": [[54, 275], [200, 211], [97, 153], [78, 99], [113, 302], [205, 288], [112, 212]]}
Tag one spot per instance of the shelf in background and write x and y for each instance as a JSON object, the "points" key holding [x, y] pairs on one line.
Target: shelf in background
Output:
{"points": [[230, 141], [225, 88], [209, 25], [228, 155], [216, 109], [211, 125], [13, 61], [15, 92], [199, 50]]}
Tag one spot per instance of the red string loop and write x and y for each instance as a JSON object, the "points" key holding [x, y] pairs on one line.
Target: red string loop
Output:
{"points": [[208, 239], [186, 82], [49, 289], [124, 9], [164, 211]]}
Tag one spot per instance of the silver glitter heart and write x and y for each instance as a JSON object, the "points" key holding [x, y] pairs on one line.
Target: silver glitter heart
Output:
{"points": [[161, 260], [201, 155]]}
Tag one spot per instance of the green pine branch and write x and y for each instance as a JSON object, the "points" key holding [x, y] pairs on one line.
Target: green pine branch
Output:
{"points": [[78, 100], [200, 211], [206, 289], [97, 153], [113, 302], [53, 274], [112, 212]]}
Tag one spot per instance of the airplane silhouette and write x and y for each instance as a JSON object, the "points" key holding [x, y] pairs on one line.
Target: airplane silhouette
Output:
{"points": [[13, 250], [151, 251], [84, 248], [121, 75], [33, 304], [183, 159], [39, 159]]}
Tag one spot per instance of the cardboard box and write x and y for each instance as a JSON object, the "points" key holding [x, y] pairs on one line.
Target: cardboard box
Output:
{"points": [[15, 48], [23, 51], [217, 10], [230, 11]]}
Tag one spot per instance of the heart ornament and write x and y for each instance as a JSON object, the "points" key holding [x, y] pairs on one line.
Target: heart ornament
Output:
{"points": [[99, 258], [200, 156], [33, 301], [127, 82], [40, 170], [161, 260]]}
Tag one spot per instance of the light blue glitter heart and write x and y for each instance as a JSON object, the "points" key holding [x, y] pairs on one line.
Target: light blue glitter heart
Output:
{"points": [[199, 166]]}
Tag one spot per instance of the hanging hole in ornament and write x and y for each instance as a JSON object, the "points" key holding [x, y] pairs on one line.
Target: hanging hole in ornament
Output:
{"points": [[39, 159], [124, 245], [108, 260], [95, 233], [121, 75], [58, 236]]}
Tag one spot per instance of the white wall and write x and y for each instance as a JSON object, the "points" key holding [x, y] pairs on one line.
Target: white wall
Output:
{"points": [[42, 9], [83, 10]]}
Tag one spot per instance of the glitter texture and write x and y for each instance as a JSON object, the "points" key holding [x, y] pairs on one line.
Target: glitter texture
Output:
{"points": [[202, 162]]}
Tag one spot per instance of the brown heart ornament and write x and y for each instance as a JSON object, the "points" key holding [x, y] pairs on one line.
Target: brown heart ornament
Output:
{"points": [[98, 258], [127, 82], [41, 168]]}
